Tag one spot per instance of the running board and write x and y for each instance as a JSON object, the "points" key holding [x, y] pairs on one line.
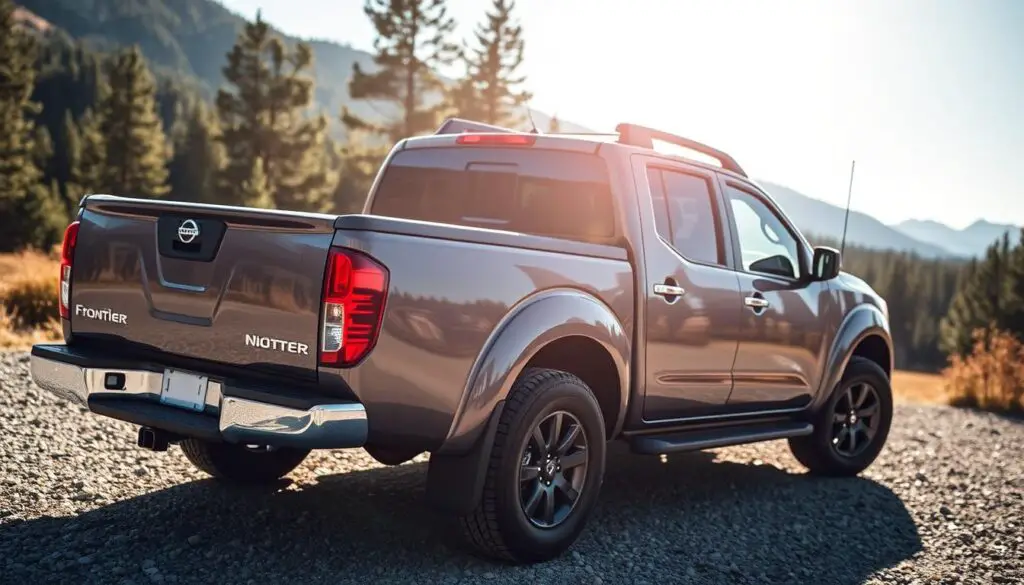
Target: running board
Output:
{"points": [[719, 437]]}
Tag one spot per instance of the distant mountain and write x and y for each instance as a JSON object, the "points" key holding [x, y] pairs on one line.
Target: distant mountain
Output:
{"points": [[191, 38], [970, 241], [813, 216]]}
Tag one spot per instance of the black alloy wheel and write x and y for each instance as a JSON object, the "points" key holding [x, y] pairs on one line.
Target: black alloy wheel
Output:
{"points": [[851, 428], [545, 470], [855, 419], [553, 470]]}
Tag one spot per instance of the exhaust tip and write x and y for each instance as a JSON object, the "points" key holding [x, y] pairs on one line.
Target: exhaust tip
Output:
{"points": [[153, 439]]}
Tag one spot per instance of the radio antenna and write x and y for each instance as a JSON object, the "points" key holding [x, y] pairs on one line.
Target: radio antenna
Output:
{"points": [[849, 196], [533, 125]]}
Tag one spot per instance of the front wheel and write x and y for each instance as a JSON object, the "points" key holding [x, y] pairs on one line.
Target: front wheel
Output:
{"points": [[242, 463], [851, 429], [545, 470]]}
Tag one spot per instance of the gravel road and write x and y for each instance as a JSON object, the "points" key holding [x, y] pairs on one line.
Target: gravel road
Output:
{"points": [[79, 503]]}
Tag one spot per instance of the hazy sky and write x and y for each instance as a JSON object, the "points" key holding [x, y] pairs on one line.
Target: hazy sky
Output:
{"points": [[926, 95]]}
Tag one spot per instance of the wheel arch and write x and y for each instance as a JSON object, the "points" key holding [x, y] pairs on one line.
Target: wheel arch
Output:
{"points": [[864, 332], [562, 329]]}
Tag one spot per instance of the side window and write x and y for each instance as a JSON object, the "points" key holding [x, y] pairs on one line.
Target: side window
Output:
{"points": [[687, 217], [766, 245]]}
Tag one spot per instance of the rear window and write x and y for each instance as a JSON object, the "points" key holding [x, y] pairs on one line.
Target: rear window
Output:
{"points": [[541, 192]]}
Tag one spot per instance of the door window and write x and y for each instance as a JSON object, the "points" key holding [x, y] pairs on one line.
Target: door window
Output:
{"points": [[685, 215], [766, 245]]}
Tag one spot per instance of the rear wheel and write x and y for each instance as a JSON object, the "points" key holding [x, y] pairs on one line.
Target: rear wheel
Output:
{"points": [[545, 470], [242, 463], [852, 427]]}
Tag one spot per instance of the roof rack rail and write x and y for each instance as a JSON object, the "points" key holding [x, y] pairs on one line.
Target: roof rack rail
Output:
{"points": [[458, 126], [644, 137]]}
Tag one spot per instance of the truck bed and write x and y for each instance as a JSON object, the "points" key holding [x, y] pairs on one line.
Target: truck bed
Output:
{"points": [[450, 288]]}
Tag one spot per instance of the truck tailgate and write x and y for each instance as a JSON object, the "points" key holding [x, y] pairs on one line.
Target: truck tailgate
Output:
{"points": [[232, 285]]}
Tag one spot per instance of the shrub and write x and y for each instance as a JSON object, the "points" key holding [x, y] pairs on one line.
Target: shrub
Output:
{"points": [[28, 299], [991, 377], [13, 338], [31, 301], [27, 263]]}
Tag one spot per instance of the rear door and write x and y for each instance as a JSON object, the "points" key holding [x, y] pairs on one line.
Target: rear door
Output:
{"points": [[692, 295], [783, 336], [231, 285]]}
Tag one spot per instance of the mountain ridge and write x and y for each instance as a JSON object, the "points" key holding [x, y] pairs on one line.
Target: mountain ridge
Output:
{"points": [[190, 38], [969, 241], [822, 219]]}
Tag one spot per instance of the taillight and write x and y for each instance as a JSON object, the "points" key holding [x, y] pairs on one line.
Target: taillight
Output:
{"points": [[67, 254], [355, 289], [496, 139]]}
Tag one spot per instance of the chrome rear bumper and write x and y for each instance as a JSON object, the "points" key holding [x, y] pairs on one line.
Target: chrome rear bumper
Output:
{"points": [[239, 420]]}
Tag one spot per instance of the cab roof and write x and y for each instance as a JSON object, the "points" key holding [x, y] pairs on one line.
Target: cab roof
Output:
{"points": [[459, 132]]}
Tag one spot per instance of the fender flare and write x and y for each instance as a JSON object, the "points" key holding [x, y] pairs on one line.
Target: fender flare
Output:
{"points": [[458, 470], [859, 324], [528, 327]]}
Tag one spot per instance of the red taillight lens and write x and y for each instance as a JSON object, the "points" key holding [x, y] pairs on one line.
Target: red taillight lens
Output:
{"points": [[496, 139], [355, 289], [67, 253]]}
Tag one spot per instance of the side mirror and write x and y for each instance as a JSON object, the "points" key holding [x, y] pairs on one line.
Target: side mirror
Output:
{"points": [[825, 264]]}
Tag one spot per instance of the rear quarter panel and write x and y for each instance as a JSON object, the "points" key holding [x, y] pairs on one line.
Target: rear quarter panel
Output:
{"points": [[446, 298]]}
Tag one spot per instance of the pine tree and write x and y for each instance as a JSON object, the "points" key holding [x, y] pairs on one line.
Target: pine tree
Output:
{"points": [[554, 125], [360, 163], [464, 100], [255, 189], [42, 147], [27, 208], [411, 45], [198, 156], [263, 118], [90, 166], [492, 66], [70, 80], [980, 301], [136, 147], [70, 163], [1013, 318]]}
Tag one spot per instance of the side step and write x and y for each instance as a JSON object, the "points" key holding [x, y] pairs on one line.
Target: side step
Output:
{"points": [[719, 437]]}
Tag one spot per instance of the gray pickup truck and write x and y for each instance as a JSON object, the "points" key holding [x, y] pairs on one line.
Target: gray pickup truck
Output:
{"points": [[507, 302]]}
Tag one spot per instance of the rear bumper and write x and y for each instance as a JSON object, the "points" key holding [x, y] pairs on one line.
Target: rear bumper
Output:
{"points": [[81, 378]]}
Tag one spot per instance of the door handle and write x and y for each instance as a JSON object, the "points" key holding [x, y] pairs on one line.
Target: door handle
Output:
{"points": [[756, 302], [669, 290]]}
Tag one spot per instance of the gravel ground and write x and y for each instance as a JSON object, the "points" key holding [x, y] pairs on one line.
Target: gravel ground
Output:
{"points": [[79, 503]]}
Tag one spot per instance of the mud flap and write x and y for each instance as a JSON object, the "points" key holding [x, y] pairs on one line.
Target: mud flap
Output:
{"points": [[455, 482]]}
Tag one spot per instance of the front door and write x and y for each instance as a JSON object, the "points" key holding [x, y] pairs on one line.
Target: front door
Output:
{"points": [[781, 343], [692, 296]]}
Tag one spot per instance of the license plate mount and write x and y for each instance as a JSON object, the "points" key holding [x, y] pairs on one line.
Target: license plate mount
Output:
{"points": [[184, 390]]}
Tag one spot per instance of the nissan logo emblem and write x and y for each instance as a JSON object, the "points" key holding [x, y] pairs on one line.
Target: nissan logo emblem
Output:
{"points": [[188, 231]]}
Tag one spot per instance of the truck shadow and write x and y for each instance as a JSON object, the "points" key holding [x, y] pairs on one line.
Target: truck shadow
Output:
{"points": [[687, 518]]}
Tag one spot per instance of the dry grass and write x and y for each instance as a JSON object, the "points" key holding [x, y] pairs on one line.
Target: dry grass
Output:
{"points": [[918, 388], [28, 299], [992, 376]]}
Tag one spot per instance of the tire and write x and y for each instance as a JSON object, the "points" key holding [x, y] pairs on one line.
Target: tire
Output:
{"points": [[500, 527], [240, 464], [822, 452]]}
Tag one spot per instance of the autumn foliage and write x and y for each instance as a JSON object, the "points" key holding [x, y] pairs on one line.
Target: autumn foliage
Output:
{"points": [[28, 299], [991, 376]]}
